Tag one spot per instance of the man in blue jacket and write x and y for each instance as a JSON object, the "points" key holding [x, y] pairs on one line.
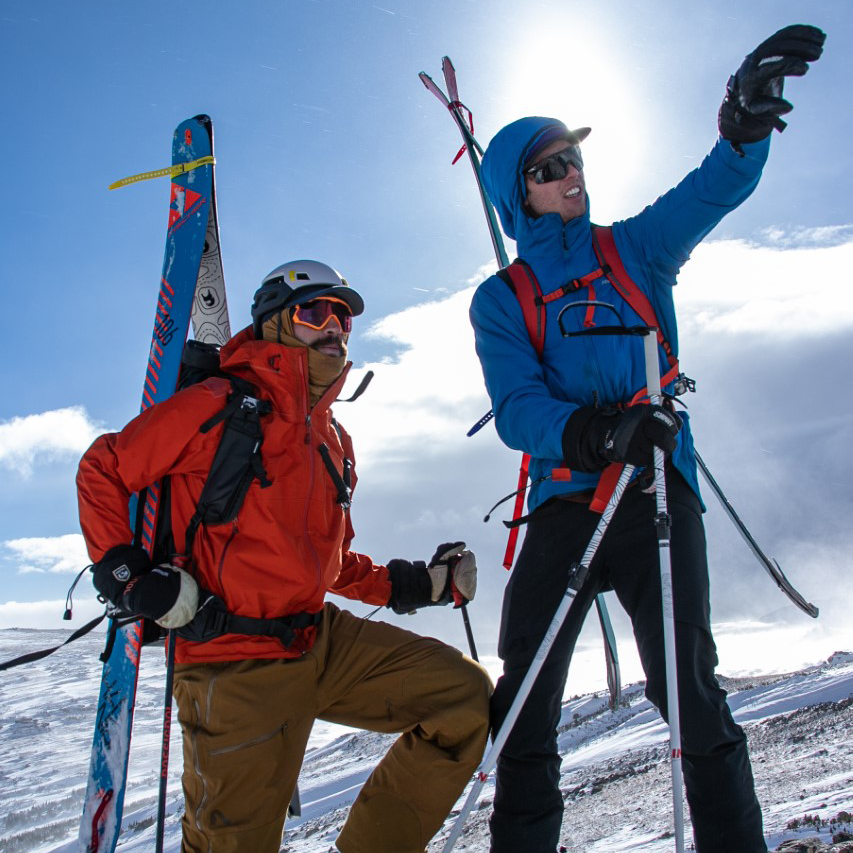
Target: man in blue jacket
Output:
{"points": [[572, 409]]}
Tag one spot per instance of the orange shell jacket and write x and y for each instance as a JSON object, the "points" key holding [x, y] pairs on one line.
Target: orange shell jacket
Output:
{"points": [[290, 542]]}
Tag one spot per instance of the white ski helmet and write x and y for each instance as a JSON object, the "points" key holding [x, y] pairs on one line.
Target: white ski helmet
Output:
{"points": [[300, 281]]}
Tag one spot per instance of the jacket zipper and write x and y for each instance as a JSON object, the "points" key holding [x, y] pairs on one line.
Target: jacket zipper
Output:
{"points": [[308, 447]]}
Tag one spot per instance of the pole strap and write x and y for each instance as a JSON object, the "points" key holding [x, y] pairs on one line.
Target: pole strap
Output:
{"points": [[171, 171], [43, 653]]}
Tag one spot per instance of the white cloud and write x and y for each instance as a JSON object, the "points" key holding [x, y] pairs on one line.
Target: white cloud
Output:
{"points": [[429, 396], [802, 237], [794, 288], [425, 400], [49, 555], [48, 614], [485, 270], [47, 437]]}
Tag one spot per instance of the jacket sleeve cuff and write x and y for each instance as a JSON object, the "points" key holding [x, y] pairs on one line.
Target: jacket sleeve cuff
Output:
{"points": [[411, 586], [580, 451]]}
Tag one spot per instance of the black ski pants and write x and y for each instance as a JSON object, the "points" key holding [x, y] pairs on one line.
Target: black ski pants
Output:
{"points": [[528, 806]]}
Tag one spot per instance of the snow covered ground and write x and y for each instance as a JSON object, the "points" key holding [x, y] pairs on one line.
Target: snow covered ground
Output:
{"points": [[615, 776]]}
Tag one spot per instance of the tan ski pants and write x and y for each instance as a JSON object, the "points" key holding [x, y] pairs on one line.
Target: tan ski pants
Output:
{"points": [[246, 723]]}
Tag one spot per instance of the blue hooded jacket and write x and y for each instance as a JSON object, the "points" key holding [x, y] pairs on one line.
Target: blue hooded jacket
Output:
{"points": [[532, 400]]}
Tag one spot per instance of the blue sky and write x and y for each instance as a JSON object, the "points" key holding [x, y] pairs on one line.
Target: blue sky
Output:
{"points": [[329, 147]]}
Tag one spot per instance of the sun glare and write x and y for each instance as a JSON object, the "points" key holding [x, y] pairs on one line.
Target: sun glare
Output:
{"points": [[579, 79]]}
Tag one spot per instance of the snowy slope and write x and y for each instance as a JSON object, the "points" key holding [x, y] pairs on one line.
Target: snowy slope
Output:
{"points": [[615, 776]]}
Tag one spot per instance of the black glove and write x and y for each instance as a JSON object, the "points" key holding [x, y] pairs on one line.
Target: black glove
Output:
{"points": [[411, 586], [450, 576], [754, 101], [593, 437], [117, 568], [166, 594]]}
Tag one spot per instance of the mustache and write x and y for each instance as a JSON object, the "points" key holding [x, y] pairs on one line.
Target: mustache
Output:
{"points": [[338, 342]]}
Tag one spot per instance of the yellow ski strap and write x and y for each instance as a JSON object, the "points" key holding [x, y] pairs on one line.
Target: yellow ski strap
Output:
{"points": [[171, 171]]}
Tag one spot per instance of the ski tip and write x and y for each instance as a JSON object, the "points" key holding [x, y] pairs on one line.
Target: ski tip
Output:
{"points": [[429, 82]]}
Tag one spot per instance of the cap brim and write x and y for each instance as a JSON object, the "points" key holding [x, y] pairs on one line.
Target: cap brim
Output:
{"points": [[573, 137]]}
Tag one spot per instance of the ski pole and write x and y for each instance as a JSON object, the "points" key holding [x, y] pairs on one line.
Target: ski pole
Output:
{"points": [[614, 676], [773, 568], [468, 632], [171, 638], [663, 525], [577, 575]]}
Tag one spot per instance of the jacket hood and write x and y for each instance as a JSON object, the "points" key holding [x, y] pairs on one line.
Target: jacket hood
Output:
{"points": [[277, 370], [504, 182]]}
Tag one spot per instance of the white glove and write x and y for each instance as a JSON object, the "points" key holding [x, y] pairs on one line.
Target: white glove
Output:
{"points": [[453, 573], [186, 602]]}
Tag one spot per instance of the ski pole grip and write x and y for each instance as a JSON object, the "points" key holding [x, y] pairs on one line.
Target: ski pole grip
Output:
{"points": [[650, 349]]}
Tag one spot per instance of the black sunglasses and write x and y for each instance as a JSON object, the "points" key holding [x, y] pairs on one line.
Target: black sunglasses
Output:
{"points": [[556, 167]]}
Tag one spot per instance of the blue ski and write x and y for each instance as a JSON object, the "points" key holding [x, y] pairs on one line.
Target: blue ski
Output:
{"points": [[191, 285]]}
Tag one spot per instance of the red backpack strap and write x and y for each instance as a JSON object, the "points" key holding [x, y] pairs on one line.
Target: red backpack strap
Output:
{"points": [[614, 269], [525, 286]]}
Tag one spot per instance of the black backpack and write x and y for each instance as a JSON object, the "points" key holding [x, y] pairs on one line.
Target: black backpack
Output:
{"points": [[237, 461]]}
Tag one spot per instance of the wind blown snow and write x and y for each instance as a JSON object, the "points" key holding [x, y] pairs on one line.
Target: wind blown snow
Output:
{"points": [[615, 774]]}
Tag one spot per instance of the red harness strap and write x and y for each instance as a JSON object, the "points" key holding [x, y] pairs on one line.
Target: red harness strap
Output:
{"points": [[512, 539], [605, 250], [525, 286], [522, 281]]}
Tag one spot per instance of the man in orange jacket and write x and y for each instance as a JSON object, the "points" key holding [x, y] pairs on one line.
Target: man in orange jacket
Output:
{"points": [[247, 700]]}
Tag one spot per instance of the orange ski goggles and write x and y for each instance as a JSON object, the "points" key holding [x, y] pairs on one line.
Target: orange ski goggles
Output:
{"points": [[318, 313]]}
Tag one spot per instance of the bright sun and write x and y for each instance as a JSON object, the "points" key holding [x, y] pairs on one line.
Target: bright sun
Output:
{"points": [[580, 81]]}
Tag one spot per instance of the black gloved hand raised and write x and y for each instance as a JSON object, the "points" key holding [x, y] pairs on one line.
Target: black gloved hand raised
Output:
{"points": [[754, 101], [166, 594], [593, 437]]}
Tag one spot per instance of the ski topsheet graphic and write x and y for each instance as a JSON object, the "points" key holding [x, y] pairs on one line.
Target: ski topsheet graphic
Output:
{"points": [[191, 286]]}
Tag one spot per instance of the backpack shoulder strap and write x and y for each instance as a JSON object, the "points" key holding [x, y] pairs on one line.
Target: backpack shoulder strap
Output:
{"points": [[614, 269], [236, 461], [523, 283]]}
